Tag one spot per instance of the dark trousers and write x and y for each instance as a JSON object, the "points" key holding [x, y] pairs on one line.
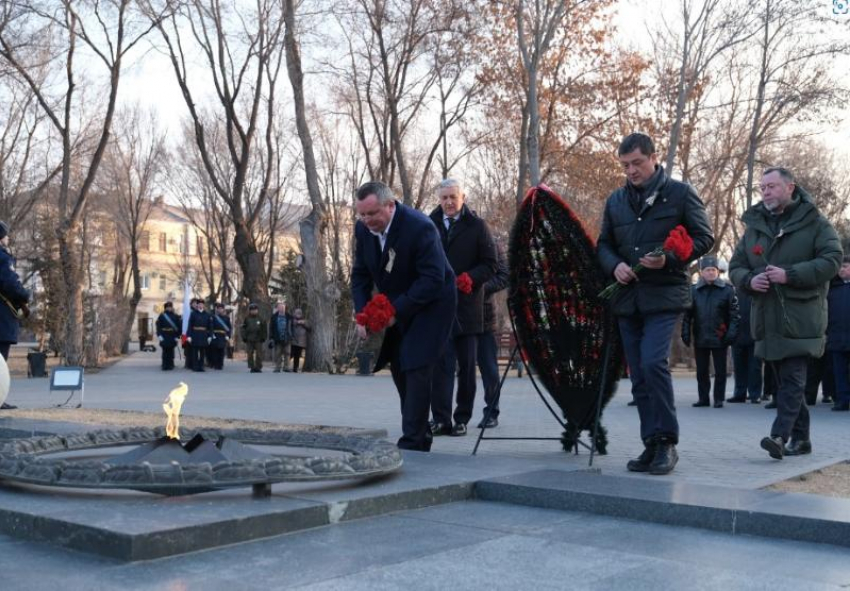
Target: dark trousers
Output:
{"points": [[197, 357], [771, 383], [187, 356], [702, 357], [459, 358], [792, 414], [415, 387], [168, 357], [255, 355], [488, 364], [747, 368], [296, 353], [646, 342], [841, 375], [819, 371], [4, 350], [215, 355]]}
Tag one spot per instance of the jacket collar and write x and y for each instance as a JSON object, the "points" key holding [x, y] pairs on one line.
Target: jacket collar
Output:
{"points": [[803, 214], [719, 282]]}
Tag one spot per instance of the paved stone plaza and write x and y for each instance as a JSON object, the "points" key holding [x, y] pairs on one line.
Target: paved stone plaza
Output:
{"points": [[468, 544]]}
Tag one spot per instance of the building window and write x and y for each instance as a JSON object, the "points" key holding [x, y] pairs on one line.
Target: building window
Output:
{"points": [[145, 241], [162, 283], [163, 242], [146, 281]]}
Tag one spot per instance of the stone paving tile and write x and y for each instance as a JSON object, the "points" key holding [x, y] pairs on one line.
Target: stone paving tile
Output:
{"points": [[718, 446]]}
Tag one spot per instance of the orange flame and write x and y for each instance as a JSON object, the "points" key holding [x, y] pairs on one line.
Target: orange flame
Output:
{"points": [[172, 409]]}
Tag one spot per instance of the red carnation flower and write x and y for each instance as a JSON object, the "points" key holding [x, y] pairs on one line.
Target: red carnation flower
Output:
{"points": [[376, 314], [758, 250], [721, 330], [680, 243], [464, 283]]}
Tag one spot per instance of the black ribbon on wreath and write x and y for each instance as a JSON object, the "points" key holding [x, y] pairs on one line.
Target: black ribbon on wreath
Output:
{"points": [[565, 330]]}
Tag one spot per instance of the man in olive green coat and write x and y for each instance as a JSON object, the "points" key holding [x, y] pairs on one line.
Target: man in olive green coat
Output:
{"points": [[785, 259]]}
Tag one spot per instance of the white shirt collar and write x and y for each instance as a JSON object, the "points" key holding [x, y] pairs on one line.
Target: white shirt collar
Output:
{"points": [[382, 236]]}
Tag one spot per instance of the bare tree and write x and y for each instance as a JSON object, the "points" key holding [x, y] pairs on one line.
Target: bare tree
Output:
{"points": [[107, 30], [709, 29], [322, 296], [242, 48], [793, 69], [133, 166]]}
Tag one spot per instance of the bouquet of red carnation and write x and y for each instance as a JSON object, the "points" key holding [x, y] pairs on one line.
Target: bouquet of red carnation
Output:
{"points": [[721, 330], [376, 314], [678, 242], [464, 283]]}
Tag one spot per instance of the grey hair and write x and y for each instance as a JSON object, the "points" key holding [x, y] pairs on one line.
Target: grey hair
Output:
{"points": [[786, 174], [376, 188], [450, 183]]}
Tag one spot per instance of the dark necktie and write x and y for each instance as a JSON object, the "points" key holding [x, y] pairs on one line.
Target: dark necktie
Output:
{"points": [[451, 222]]}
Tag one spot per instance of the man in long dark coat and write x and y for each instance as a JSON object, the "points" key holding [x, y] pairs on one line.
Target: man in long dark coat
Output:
{"points": [[398, 253], [470, 250]]}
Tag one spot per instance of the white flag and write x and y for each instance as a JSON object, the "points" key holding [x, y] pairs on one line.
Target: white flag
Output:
{"points": [[187, 308]]}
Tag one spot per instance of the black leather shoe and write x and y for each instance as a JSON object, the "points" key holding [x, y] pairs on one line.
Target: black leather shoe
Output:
{"points": [[666, 458], [644, 460], [755, 401], [718, 404], [459, 430], [490, 423], [798, 448], [736, 400], [632, 403], [700, 404], [771, 404], [774, 446], [841, 407], [827, 400], [7, 406], [438, 429]]}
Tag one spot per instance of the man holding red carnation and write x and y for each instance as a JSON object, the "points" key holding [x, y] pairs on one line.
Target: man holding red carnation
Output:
{"points": [[788, 254], [640, 218], [398, 254], [471, 252]]}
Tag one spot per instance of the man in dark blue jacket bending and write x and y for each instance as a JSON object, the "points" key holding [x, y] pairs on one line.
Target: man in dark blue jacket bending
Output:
{"points": [[398, 253]]}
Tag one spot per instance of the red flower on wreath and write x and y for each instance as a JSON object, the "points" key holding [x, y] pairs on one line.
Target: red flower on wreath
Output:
{"points": [[758, 250], [464, 283], [680, 243], [376, 314]]}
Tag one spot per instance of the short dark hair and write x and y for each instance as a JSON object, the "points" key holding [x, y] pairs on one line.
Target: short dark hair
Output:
{"points": [[846, 259], [636, 141], [786, 174], [376, 188], [168, 305]]}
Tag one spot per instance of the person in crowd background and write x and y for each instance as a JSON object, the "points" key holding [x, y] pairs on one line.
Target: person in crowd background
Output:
{"points": [[747, 367], [222, 331], [300, 328], [280, 334], [838, 335], [168, 332], [15, 299], [254, 334], [713, 320], [200, 335], [488, 346]]}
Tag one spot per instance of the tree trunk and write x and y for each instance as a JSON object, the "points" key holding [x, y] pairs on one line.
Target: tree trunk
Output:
{"points": [[321, 293], [73, 285], [752, 145], [523, 158], [533, 136]]}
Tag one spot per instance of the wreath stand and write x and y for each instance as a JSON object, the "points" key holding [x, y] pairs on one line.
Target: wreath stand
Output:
{"points": [[592, 447]]}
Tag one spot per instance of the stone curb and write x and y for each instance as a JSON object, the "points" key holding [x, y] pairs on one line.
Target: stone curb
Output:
{"points": [[770, 514]]}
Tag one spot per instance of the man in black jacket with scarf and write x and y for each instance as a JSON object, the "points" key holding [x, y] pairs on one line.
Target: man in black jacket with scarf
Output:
{"points": [[470, 250], [638, 218]]}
